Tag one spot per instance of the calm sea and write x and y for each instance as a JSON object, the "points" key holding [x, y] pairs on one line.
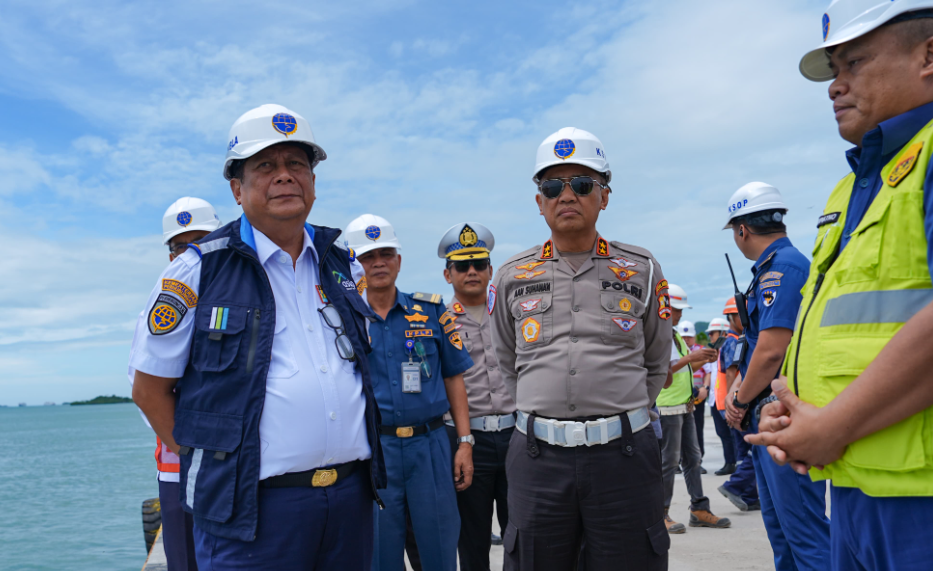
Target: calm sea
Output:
{"points": [[72, 481]]}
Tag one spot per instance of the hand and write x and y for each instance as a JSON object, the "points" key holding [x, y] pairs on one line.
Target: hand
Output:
{"points": [[463, 467], [734, 415], [800, 437], [704, 355], [704, 392]]}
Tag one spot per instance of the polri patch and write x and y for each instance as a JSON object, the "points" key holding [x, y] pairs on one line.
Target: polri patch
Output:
{"points": [[181, 290], [828, 219], [531, 329], [623, 273], [905, 165], [625, 324], [530, 305], [166, 314]]}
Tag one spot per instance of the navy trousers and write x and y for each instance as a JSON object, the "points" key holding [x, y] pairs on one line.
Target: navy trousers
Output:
{"points": [[793, 508], [301, 529], [725, 436], [743, 483], [177, 526]]}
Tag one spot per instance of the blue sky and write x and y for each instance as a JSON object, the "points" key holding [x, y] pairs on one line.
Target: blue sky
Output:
{"points": [[430, 113]]}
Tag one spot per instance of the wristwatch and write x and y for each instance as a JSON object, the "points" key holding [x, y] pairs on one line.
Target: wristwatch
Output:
{"points": [[769, 399], [736, 403], [468, 439]]}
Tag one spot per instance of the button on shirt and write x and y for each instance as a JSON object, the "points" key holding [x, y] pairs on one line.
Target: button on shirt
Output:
{"points": [[314, 410], [417, 321], [486, 392], [878, 148]]}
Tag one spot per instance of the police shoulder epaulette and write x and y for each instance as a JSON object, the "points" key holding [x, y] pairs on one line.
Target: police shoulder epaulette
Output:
{"points": [[637, 250], [427, 297]]}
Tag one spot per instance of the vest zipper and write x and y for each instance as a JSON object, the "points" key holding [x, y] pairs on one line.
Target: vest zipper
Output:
{"points": [[803, 323], [253, 339]]}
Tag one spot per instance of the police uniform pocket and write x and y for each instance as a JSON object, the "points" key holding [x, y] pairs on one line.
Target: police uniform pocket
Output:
{"points": [[208, 472], [622, 319], [532, 319], [217, 337]]}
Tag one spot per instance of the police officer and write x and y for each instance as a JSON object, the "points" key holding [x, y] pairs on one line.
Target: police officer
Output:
{"points": [[418, 361], [679, 441], [254, 370], [581, 329], [857, 391], [187, 220], [466, 248]]}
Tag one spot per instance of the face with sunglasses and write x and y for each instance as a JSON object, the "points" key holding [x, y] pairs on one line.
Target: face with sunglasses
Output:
{"points": [[470, 279], [570, 198]]}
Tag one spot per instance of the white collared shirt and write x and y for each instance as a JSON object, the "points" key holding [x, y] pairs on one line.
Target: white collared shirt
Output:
{"points": [[314, 410]]}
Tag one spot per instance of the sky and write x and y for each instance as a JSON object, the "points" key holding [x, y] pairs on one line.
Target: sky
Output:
{"points": [[430, 114]]}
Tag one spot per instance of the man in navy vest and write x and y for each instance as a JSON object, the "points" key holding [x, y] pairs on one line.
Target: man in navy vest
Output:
{"points": [[260, 332]]}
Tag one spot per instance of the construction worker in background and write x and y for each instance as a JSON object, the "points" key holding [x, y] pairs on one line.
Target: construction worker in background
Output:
{"points": [[186, 221], [701, 381], [581, 330], [859, 361], [417, 364], [792, 506], [717, 332], [678, 429], [254, 369], [465, 249]]}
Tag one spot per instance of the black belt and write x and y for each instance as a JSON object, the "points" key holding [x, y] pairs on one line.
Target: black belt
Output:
{"points": [[409, 431], [317, 478]]}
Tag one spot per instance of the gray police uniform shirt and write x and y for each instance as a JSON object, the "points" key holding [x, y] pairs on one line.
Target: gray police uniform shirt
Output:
{"points": [[595, 342], [485, 388]]}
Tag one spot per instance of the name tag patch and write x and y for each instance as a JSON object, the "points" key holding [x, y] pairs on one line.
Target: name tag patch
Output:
{"points": [[827, 219], [181, 290], [419, 333], [530, 289]]}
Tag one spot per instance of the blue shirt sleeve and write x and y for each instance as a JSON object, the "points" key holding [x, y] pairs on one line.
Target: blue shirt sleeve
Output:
{"points": [[928, 214], [779, 296], [454, 359], [727, 352]]}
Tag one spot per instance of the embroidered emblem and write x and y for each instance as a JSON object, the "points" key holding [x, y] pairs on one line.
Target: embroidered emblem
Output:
{"points": [[445, 317], [361, 287], [772, 283], [416, 318], [468, 237], [183, 219], [491, 299], [771, 276], [450, 327], [456, 341], [530, 305], [321, 295], [416, 307], [181, 290], [623, 273], [905, 165], [166, 314], [627, 287], [623, 263], [419, 333], [219, 317], [531, 329], [458, 308], [664, 306], [530, 275], [625, 324], [284, 123], [530, 266], [768, 296], [602, 247], [373, 232], [625, 304], [547, 251], [662, 285]]}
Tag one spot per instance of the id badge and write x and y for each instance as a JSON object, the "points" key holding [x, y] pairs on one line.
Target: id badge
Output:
{"points": [[411, 378], [740, 350]]}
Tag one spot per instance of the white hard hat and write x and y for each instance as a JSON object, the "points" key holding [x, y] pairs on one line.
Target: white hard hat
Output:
{"points": [[572, 146], [678, 297], [265, 126], [686, 329], [370, 232], [846, 20], [466, 241], [718, 324], [754, 197], [187, 214]]}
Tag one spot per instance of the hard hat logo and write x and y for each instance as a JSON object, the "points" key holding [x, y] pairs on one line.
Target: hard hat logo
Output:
{"points": [[284, 123], [468, 237], [183, 218], [233, 143], [825, 26], [373, 233], [564, 149]]}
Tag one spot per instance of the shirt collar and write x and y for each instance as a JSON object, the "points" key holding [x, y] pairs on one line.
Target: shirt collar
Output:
{"points": [[769, 251], [266, 248], [893, 134], [401, 300]]}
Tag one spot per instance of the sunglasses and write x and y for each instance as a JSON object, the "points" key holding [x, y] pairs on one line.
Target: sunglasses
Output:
{"points": [[580, 185], [463, 266]]}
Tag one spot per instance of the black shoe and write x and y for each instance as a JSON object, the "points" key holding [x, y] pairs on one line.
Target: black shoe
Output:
{"points": [[735, 499], [726, 470], [495, 539], [678, 470], [755, 507], [702, 470]]}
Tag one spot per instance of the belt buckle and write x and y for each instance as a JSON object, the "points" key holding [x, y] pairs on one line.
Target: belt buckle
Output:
{"points": [[405, 431], [324, 478], [575, 434], [486, 427]]}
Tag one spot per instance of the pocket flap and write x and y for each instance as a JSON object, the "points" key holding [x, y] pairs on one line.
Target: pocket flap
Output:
{"points": [[227, 320], [510, 538], [530, 305], [659, 537], [208, 430]]}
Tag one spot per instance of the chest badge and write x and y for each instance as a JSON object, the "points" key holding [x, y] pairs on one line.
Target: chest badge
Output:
{"points": [[625, 304], [530, 275], [416, 318], [623, 263], [623, 273], [905, 165], [529, 266], [531, 329], [530, 305], [625, 324]]}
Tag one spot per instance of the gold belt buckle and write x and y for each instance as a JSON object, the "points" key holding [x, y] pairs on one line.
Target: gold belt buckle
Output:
{"points": [[324, 478], [405, 431]]}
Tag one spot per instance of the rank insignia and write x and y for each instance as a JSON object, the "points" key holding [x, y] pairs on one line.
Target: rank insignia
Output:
{"points": [[416, 318], [419, 333], [450, 327], [905, 164], [623, 273], [547, 251], [458, 308], [416, 307], [664, 306], [768, 297], [491, 299], [662, 285], [530, 275], [602, 247], [625, 304], [530, 266], [166, 314], [455, 340], [531, 304], [623, 263], [181, 290], [428, 297], [531, 329], [625, 324], [321, 295], [445, 317]]}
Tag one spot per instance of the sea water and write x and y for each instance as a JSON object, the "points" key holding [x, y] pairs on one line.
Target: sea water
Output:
{"points": [[72, 482]]}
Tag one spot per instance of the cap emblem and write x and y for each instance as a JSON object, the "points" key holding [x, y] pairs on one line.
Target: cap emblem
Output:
{"points": [[284, 123], [373, 233], [183, 218], [825, 26], [468, 236], [564, 149]]}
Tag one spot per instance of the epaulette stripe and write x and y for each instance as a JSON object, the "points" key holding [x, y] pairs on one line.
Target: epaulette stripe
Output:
{"points": [[213, 245], [196, 249], [428, 297]]}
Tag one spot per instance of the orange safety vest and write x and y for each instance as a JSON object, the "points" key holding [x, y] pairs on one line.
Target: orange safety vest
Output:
{"points": [[166, 460], [721, 381]]}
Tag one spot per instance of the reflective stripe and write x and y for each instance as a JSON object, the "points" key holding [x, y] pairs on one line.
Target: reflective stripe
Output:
{"points": [[213, 245], [893, 306], [193, 476]]}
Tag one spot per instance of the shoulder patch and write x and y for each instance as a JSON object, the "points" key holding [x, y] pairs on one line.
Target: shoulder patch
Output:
{"points": [[445, 317], [491, 299], [181, 290], [166, 314], [456, 341], [602, 247], [662, 285], [427, 297], [905, 164]]}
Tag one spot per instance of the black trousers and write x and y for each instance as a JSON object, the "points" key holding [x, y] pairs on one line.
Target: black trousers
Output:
{"points": [[725, 436], [609, 493], [699, 417], [475, 503]]}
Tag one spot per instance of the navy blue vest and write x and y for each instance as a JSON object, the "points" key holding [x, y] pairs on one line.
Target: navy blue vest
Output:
{"points": [[219, 399]]}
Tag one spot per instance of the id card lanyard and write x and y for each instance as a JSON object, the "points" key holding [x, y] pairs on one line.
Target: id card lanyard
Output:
{"points": [[411, 372]]}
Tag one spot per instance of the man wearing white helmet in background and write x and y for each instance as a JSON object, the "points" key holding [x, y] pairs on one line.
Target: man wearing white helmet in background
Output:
{"points": [[679, 444], [793, 508], [581, 330], [186, 221], [417, 363], [859, 362], [717, 332], [253, 369]]}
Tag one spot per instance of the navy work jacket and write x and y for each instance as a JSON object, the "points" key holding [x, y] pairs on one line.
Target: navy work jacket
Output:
{"points": [[219, 399]]}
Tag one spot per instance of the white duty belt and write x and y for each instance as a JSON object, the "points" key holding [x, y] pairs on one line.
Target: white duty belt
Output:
{"points": [[569, 433], [490, 423]]}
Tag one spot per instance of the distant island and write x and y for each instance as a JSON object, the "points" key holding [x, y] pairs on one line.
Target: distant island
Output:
{"points": [[112, 399]]}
